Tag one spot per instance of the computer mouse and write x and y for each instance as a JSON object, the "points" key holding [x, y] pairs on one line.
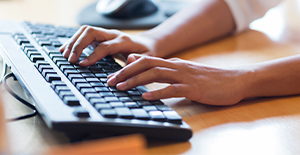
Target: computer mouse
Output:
{"points": [[126, 8]]}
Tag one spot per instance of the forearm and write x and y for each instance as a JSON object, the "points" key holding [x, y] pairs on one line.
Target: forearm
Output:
{"points": [[202, 22], [274, 78]]}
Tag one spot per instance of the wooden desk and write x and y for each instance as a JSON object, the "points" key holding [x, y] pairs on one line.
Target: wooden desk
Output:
{"points": [[254, 126]]}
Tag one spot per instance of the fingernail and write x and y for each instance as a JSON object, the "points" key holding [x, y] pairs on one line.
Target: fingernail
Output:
{"points": [[147, 96], [121, 86], [110, 76], [84, 61], [112, 81]]}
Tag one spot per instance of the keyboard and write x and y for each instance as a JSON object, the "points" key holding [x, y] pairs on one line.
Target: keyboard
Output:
{"points": [[77, 100]]}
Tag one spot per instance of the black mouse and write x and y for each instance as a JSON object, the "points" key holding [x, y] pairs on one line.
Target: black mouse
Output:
{"points": [[126, 8]]}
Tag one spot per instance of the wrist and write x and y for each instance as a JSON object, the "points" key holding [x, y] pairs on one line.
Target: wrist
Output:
{"points": [[156, 45], [252, 84]]}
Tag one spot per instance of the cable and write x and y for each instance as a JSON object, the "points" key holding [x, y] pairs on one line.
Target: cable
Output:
{"points": [[19, 99], [4, 70]]}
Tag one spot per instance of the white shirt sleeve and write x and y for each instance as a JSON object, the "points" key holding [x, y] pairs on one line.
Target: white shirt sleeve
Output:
{"points": [[245, 11]]}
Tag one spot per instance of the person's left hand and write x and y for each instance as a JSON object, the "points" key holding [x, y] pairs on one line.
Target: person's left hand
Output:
{"points": [[193, 81]]}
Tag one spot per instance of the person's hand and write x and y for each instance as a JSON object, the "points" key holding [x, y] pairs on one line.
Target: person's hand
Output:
{"points": [[110, 42], [193, 81]]}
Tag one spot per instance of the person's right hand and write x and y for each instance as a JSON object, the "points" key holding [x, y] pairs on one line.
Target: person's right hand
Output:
{"points": [[110, 42]]}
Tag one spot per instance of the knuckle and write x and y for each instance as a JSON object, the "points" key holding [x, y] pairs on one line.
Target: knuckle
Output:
{"points": [[77, 47], [84, 26], [133, 79], [120, 74], [114, 31], [69, 46], [157, 71], [175, 89], [89, 29], [146, 60], [105, 45], [174, 59], [125, 38]]}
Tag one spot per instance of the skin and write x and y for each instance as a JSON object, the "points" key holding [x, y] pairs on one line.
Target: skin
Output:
{"points": [[203, 22]]}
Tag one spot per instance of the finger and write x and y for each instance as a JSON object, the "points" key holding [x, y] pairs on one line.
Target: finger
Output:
{"points": [[89, 35], [105, 48], [175, 90], [67, 47], [142, 64], [131, 58], [156, 74]]}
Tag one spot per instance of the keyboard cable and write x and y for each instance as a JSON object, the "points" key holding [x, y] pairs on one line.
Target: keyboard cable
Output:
{"points": [[16, 96]]}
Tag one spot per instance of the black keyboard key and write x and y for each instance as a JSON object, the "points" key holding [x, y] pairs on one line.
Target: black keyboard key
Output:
{"points": [[34, 58], [92, 80], [34, 31], [30, 53], [28, 45], [97, 71], [116, 104], [21, 41], [82, 70], [157, 102], [87, 90], [150, 108], [56, 59], [64, 93], [42, 67], [120, 94], [142, 89], [56, 54], [40, 62], [131, 105], [88, 75], [28, 49], [140, 114], [94, 101], [111, 99], [124, 112], [89, 96], [45, 43], [80, 80], [106, 94], [72, 76], [109, 113], [163, 108], [133, 93], [58, 89], [57, 83], [143, 103], [79, 86], [50, 49], [81, 112], [71, 101], [19, 36], [100, 106], [59, 63], [48, 71], [101, 89], [56, 44], [68, 72], [97, 84], [157, 115], [125, 99], [113, 89], [52, 77], [101, 75], [173, 117]]}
